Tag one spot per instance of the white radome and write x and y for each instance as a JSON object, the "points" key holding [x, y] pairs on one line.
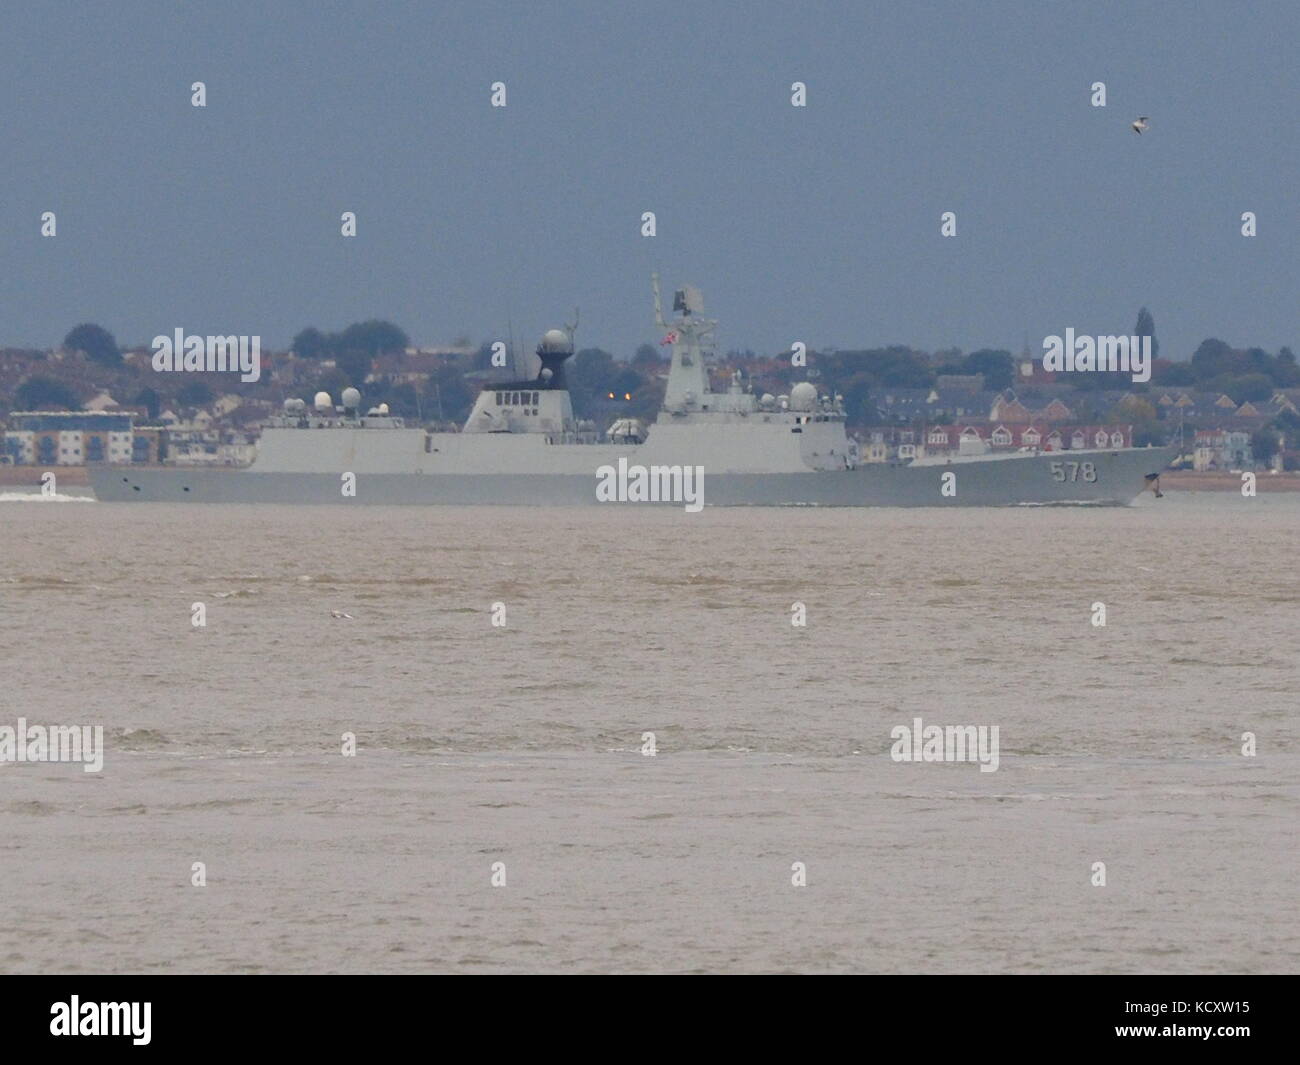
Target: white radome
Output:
{"points": [[351, 398], [323, 401], [803, 396], [555, 340]]}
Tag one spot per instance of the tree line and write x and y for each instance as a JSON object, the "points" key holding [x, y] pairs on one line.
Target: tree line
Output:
{"points": [[601, 383]]}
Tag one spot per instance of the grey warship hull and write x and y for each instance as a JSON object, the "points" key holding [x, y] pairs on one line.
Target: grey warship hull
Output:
{"points": [[523, 445], [1044, 478]]}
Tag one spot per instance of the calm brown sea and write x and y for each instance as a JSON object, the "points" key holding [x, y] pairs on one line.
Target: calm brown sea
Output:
{"points": [[522, 744]]}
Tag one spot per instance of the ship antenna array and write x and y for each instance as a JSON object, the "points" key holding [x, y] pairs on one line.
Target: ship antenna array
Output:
{"points": [[514, 358], [571, 329]]}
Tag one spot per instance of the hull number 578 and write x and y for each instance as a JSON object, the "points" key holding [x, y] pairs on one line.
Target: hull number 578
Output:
{"points": [[1074, 471]]}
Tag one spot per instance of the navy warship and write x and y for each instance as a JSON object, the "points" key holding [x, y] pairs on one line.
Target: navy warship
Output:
{"points": [[523, 445]]}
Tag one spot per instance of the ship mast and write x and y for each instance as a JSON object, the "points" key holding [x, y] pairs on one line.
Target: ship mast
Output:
{"points": [[690, 336]]}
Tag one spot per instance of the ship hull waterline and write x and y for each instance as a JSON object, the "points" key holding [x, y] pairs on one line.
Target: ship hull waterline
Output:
{"points": [[1114, 478]]}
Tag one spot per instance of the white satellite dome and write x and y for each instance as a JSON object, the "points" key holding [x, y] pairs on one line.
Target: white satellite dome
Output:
{"points": [[351, 398], [383, 408], [803, 396], [323, 401], [556, 340], [768, 399]]}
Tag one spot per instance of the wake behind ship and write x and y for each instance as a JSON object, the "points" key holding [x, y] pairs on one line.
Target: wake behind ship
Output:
{"points": [[522, 445]]}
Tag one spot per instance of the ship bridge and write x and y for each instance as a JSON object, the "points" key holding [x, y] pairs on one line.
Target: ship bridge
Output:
{"points": [[540, 405]]}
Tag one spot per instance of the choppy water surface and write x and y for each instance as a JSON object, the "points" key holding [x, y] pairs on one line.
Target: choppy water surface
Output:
{"points": [[521, 744]]}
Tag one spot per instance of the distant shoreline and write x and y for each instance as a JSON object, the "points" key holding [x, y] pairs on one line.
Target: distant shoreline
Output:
{"points": [[1226, 481], [24, 476]]}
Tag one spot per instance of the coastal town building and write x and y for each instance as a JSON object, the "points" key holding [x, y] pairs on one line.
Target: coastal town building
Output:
{"points": [[891, 444], [1221, 449], [89, 438], [1042, 436], [68, 438]]}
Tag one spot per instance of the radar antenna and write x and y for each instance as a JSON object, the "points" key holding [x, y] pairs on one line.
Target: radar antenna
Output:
{"points": [[514, 357]]}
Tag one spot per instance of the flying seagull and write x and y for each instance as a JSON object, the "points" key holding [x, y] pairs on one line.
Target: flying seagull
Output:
{"points": [[1140, 124], [340, 614]]}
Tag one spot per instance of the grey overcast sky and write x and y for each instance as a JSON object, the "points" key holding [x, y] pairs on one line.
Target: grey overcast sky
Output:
{"points": [[819, 224]]}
